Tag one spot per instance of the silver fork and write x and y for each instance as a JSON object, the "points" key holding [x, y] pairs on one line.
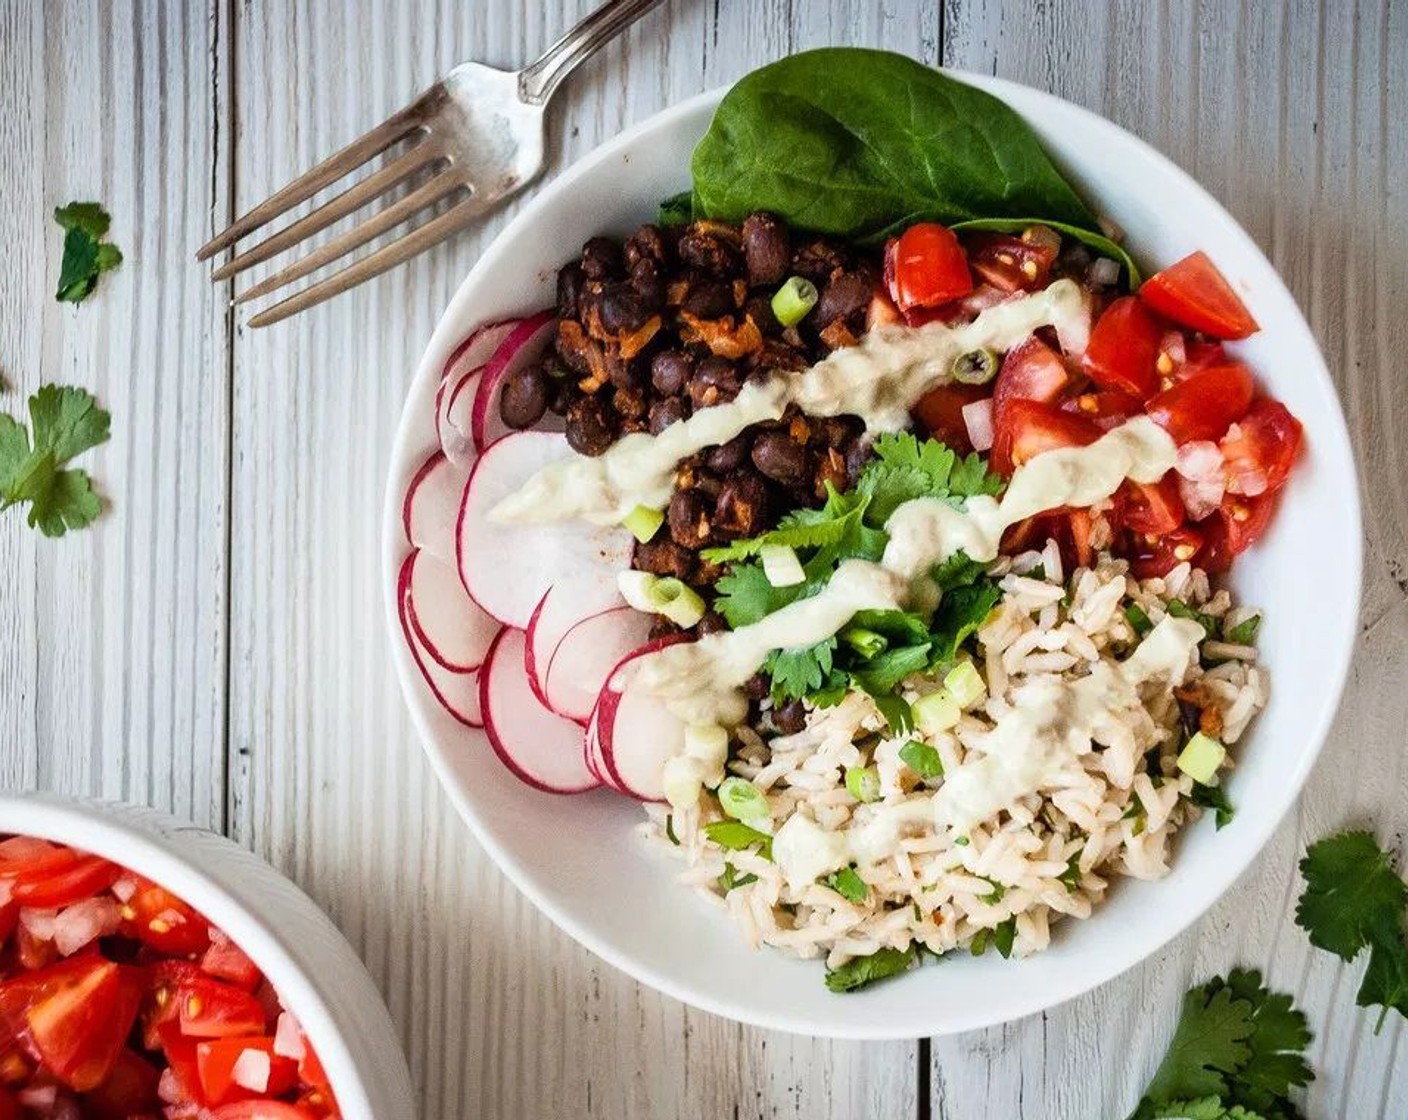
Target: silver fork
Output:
{"points": [[479, 131]]}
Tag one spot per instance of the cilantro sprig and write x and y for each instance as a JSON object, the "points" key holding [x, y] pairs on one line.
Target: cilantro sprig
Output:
{"points": [[86, 255], [64, 422], [1354, 900]]}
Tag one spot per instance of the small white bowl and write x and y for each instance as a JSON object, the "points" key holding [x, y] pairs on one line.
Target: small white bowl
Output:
{"points": [[318, 976], [577, 857]]}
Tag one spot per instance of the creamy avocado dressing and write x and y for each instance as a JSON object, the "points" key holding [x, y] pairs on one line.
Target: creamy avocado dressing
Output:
{"points": [[879, 379]]}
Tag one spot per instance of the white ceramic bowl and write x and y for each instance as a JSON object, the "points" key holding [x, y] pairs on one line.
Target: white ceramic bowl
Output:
{"points": [[576, 857], [310, 964]]}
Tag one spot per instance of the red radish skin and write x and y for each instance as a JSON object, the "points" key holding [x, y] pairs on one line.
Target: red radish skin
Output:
{"points": [[562, 607], [591, 750], [524, 344], [459, 369], [432, 506], [457, 693], [507, 568], [448, 623], [536, 744], [637, 733], [586, 656]]}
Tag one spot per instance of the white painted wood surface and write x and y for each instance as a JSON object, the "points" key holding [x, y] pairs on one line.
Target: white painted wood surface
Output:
{"points": [[214, 646]]}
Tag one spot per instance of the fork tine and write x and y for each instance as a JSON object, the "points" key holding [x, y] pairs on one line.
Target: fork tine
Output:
{"points": [[373, 227], [349, 201], [333, 168], [387, 257]]}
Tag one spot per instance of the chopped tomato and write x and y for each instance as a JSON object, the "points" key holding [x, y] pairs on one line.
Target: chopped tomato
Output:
{"points": [[1260, 448], [34, 952], [1124, 348], [227, 961], [1027, 428], [1014, 263], [1150, 508], [261, 1110], [1081, 524], [1108, 408], [56, 886], [1205, 405], [1194, 293], [1158, 555], [925, 267], [165, 981], [9, 1106], [15, 1066], [181, 1060], [128, 1091], [941, 412], [1245, 519], [1198, 356], [217, 1061], [210, 1009], [1031, 371], [9, 919], [156, 917]]}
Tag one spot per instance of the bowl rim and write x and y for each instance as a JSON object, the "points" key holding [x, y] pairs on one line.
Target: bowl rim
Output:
{"points": [[1332, 437], [127, 835]]}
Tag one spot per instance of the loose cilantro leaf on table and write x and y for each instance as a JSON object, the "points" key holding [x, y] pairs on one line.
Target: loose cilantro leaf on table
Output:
{"points": [[880, 965], [86, 254], [64, 422], [1354, 900]]}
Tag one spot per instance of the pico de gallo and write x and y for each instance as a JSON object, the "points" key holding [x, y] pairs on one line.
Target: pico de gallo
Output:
{"points": [[118, 1001]]}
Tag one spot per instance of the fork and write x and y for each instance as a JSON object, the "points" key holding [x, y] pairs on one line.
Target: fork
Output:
{"points": [[478, 132]]}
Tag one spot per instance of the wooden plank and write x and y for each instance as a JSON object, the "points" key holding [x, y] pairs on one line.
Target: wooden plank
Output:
{"points": [[1283, 112], [113, 679]]}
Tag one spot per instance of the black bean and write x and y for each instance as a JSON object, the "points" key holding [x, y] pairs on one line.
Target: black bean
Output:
{"points": [[628, 403], [646, 243], [591, 426], [648, 281], [570, 279], [778, 457], [758, 686], [707, 250], [843, 296], [836, 431], [766, 249], [524, 398], [670, 370], [716, 381], [729, 456], [743, 505], [688, 518], [665, 412], [711, 623], [601, 259], [759, 309], [857, 455], [708, 299], [789, 718], [776, 355], [664, 557], [573, 346], [817, 260], [621, 309]]}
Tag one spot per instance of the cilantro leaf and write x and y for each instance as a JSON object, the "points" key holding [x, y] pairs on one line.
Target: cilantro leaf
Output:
{"points": [[14, 451], [880, 965], [899, 716], [67, 502], [831, 526], [903, 469], [1244, 633], [882, 674], [1179, 609], [744, 595], [1209, 1042], [958, 570], [961, 611], [848, 884], [736, 836], [65, 422], [86, 255], [1004, 936], [730, 878], [797, 672], [1215, 798], [1208, 1108], [1277, 1043]]}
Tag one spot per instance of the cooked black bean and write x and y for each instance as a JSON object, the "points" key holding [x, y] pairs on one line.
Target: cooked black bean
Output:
{"points": [[570, 279], [601, 259], [775, 355], [729, 456], [789, 718], [573, 346], [664, 557], [817, 260], [590, 426], [716, 381], [648, 281], [646, 243], [708, 299], [781, 459], [670, 371], [836, 431], [524, 398], [759, 308], [628, 403], [743, 507], [665, 412], [621, 309], [766, 248], [843, 296], [711, 623], [707, 250], [688, 518], [758, 686]]}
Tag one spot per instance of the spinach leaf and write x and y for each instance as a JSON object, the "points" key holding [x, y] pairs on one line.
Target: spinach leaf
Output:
{"points": [[1097, 241], [862, 143]]}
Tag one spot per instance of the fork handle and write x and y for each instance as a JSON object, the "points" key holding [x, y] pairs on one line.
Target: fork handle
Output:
{"points": [[538, 82]]}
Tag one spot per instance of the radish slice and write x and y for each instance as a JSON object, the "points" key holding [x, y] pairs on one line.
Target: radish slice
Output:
{"points": [[432, 506], [522, 345], [507, 568], [457, 693], [637, 733], [591, 752], [448, 623], [586, 656], [562, 607], [536, 744], [454, 400]]}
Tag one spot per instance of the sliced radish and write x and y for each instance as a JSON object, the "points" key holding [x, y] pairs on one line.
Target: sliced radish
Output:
{"points": [[457, 693], [537, 744], [432, 506], [448, 623], [562, 606], [454, 400], [508, 567], [637, 734], [591, 752], [586, 656], [520, 346]]}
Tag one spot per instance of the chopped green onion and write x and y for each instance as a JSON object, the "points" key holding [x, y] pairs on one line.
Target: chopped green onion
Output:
{"points": [[977, 367], [865, 642], [863, 783], [961, 841], [643, 522], [965, 685], [736, 836], [1244, 633], [936, 712], [636, 588], [743, 801], [656, 595], [1137, 619], [923, 759], [670, 829], [781, 566], [1179, 609], [1201, 758], [792, 301]]}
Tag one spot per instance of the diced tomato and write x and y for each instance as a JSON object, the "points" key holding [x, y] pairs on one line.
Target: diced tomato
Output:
{"points": [[9, 1106], [69, 882], [1151, 556], [1260, 449], [1123, 349], [1014, 263], [227, 961], [1108, 408], [1194, 293], [1031, 371], [16, 1067], [1204, 405], [1245, 519], [129, 1090], [165, 979], [211, 1009], [940, 411], [261, 1110], [217, 1059], [1152, 508], [181, 1059], [1027, 428], [1198, 356], [9, 919], [76, 1015], [156, 917], [33, 952], [926, 267]]}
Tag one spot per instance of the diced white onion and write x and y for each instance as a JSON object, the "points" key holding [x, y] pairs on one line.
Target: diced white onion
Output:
{"points": [[84, 922], [41, 1098], [251, 1071], [1201, 497], [169, 1088], [1200, 461], [1103, 272], [1172, 345], [6, 886], [124, 888], [39, 924], [288, 1038], [977, 418]]}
